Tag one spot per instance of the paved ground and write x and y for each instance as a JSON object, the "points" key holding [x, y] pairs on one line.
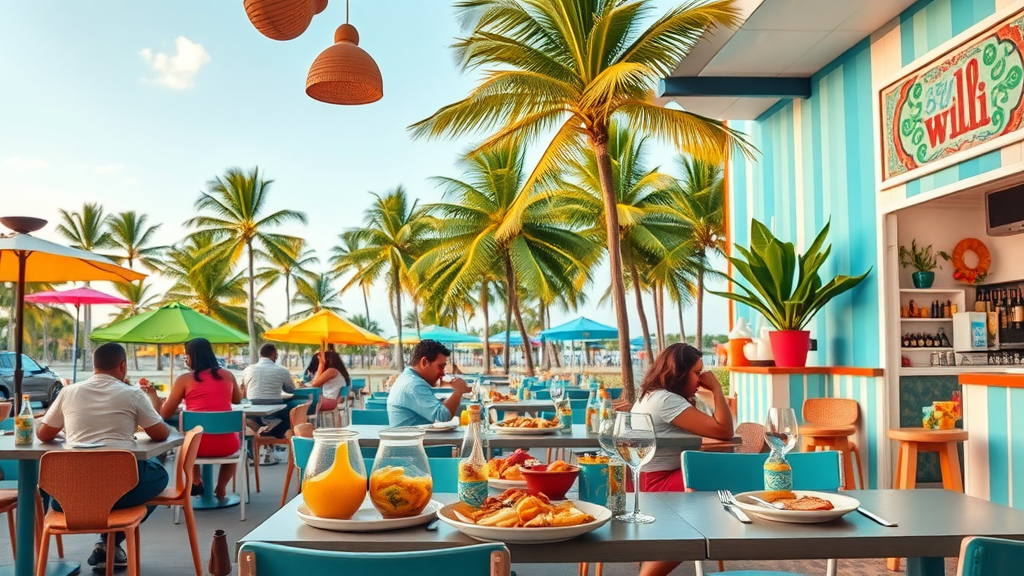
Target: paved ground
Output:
{"points": [[166, 553]]}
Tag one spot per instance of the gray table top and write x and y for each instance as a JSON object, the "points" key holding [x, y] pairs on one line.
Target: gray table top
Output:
{"points": [[668, 538], [259, 409], [369, 436], [931, 523], [142, 449]]}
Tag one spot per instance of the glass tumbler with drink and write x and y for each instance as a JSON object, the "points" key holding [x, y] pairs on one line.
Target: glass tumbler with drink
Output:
{"points": [[634, 441], [781, 433]]}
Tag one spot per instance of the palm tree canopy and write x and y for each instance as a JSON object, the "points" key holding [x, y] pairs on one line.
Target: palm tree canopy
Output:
{"points": [[701, 201], [129, 233], [85, 230], [315, 294], [204, 280], [293, 259], [140, 297]]}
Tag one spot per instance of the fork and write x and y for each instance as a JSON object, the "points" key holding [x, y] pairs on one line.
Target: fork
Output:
{"points": [[729, 503]]}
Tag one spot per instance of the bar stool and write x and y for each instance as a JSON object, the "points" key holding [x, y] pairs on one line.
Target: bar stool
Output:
{"points": [[915, 440], [830, 424]]}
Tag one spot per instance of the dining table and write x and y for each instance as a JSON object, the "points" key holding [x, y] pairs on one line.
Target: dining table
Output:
{"points": [[692, 526], [28, 456]]}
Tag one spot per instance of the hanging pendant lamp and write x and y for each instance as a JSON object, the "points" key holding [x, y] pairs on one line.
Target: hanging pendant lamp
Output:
{"points": [[344, 73], [282, 19]]}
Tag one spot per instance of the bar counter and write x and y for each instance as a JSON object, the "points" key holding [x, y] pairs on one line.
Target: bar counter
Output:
{"points": [[994, 454]]}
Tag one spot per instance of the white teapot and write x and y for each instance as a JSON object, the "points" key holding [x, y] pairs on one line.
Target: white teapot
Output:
{"points": [[760, 349]]}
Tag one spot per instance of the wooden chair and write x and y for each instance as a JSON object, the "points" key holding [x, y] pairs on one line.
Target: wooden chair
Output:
{"points": [[180, 496], [300, 427], [830, 424], [87, 484], [295, 416], [223, 423], [752, 434], [984, 556], [8, 503], [259, 558]]}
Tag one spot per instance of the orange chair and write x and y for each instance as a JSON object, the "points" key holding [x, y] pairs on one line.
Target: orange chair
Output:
{"points": [[830, 422], [752, 434], [88, 484], [181, 493], [8, 503], [259, 442]]}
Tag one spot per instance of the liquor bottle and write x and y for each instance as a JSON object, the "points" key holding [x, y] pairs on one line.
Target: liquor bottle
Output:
{"points": [[565, 416], [1018, 310], [472, 465], [24, 423], [906, 341], [929, 341], [607, 411], [593, 410], [947, 310], [1004, 316], [943, 340]]}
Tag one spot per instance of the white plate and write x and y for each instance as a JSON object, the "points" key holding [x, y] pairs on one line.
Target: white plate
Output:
{"points": [[367, 519], [441, 426], [524, 431], [501, 484], [528, 535], [843, 505]]}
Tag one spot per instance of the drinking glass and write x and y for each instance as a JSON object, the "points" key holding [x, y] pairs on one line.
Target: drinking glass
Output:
{"points": [[557, 390], [634, 441], [780, 430], [606, 437], [485, 400]]}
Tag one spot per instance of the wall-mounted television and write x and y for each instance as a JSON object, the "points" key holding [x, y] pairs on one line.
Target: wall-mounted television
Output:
{"points": [[1004, 211]]}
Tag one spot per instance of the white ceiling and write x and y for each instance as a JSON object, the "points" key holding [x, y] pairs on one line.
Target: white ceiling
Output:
{"points": [[780, 38]]}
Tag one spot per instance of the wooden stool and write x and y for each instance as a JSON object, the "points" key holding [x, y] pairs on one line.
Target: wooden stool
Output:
{"points": [[832, 438], [914, 440], [836, 414]]}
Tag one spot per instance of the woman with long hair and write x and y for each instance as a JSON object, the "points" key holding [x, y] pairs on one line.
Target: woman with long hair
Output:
{"points": [[331, 377], [206, 387]]}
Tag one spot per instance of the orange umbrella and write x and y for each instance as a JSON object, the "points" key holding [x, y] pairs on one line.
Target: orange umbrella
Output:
{"points": [[323, 328]]}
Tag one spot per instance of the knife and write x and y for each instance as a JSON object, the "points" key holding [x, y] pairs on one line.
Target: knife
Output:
{"points": [[739, 514], [877, 518]]}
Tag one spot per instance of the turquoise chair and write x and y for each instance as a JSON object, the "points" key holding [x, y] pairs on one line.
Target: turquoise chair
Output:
{"points": [[370, 417], [541, 394], [614, 393], [706, 471], [372, 404], [311, 395], [578, 395], [220, 423], [358, 384], [263, 559], [984, 556], [379, 396], [580, 405]]}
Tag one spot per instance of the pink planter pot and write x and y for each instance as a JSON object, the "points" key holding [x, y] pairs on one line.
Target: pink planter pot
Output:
{"points": [[789, 347]]}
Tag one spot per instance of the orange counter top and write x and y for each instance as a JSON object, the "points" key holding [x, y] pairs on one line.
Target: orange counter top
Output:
{"points": [[830, 370], [999, 380]]}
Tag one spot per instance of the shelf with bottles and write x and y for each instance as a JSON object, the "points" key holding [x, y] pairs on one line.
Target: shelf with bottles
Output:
{"points": [[946, 320], [939, 340], [930, 304], [1005, 305]]}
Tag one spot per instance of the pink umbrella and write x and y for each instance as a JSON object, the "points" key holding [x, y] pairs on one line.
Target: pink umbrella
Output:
{"points": [[76, 297]]}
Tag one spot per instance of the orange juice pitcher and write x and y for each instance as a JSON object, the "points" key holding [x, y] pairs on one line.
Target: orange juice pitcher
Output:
{"points": [[334, 484]]}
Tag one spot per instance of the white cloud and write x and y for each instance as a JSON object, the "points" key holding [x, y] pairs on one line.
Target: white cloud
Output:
{"points": [[108, 168], [176, 71], [131, 181], [19, 164]]}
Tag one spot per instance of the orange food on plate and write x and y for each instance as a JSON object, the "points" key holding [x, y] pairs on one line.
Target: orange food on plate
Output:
{"points": [[497, 396], [522, 509], [396, 495], [559, 466], [523, 422], [509, 467], [593, 459]]}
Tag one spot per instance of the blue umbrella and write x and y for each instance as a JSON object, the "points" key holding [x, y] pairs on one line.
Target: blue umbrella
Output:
{"points": [[447, 336], [581, 329], [515, 339]]}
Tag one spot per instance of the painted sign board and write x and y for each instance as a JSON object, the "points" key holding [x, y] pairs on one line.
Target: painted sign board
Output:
{"points": [[956, 101]]}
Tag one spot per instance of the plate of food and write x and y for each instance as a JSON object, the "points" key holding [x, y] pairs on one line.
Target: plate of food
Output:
{"points": [[526, 426], [505, 473], [522, 517], [499, 398], [440, 426], [368, 519], [798, 506]]}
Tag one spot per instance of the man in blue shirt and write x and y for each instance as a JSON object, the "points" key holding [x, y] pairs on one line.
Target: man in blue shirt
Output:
{"points": [[411, 401]]}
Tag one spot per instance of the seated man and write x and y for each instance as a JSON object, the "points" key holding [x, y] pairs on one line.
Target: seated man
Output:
{"points": [[411, 402], [265, 382], [104, 409]]}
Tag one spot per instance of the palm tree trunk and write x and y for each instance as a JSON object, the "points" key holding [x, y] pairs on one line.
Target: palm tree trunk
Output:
{"points": [[700, 308], [513, 297], [366, 302], [682, 327], [46, 342], [556, 349], [87, 349], [250, 313], [399, 353], [287, 298], [159, 358], [416, 315], [546, 361], [599, 142], [135, 356], [639, 295], [659, 310], [508, 335], [487, 326]]}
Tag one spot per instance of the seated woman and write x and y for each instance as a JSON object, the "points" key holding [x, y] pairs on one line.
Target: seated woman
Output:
{"points": [[206, 388], [331, 376], [668, 394]]}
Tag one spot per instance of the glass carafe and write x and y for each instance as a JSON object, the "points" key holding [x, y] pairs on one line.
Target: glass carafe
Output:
{"points": [[400, 482], [334, 480]]}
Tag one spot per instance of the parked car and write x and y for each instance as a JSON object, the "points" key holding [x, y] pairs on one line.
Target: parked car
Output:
{"points": [[39, 382]]}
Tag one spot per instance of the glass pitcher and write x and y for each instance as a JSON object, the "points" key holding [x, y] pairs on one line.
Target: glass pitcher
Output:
{"points": [[334, 480], [400, 482]]}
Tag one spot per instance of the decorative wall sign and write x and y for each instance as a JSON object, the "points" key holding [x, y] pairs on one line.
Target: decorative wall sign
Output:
{"points": [[956, 101]]}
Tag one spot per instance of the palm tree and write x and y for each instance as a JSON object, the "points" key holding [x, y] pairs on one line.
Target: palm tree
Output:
{"points": [[341, 262], [292, 260], [204, 280], [129, 233], [315, 294], [571, 66], [366, 324], [387, 246], [493, 223], [140, 300], [235, 206], [701, 201], [85, 230]]}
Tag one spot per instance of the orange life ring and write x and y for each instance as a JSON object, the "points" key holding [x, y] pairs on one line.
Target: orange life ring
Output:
{"points": [[965, 273]]}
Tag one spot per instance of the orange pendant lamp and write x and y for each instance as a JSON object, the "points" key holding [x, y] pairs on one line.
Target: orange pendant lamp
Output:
{"points": [[282, 19], [344, 73]]}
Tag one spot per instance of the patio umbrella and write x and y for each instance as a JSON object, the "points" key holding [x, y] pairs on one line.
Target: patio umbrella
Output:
{"points": [[447, 336], [76, 297], [25, 258], [407, 339], [173, 323], [581, 329], [514, 339], [323, 328]]}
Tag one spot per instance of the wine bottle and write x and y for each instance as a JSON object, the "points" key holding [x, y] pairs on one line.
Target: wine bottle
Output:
{"points": [[1018, 310]]}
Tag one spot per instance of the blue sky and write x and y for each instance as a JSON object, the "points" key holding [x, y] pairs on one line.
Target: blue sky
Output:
{"points": [[136, 105]]}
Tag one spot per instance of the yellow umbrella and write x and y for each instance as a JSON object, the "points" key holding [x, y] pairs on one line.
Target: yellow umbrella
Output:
{"points": [[324, 327]]}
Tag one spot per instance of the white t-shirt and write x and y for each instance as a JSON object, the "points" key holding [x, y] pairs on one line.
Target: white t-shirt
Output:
{"points": [[664, 407], [101, 409], [266, 380]]}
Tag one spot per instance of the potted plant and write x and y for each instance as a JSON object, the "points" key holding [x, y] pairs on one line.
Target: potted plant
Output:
{"points": [[786, 288], [923, 260]]}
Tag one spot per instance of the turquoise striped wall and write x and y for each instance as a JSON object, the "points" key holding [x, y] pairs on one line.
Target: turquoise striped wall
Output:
{"points": [[817, 163], [993, 458]]}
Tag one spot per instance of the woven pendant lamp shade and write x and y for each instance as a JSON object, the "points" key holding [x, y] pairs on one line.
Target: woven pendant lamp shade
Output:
{"points": [[344, 73], [319, 6], [282, 19]]}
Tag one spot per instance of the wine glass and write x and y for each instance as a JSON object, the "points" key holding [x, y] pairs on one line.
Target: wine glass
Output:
{"points": [[484, 391], [634, 441], [557, 390], [781, 431], [606, 437]]}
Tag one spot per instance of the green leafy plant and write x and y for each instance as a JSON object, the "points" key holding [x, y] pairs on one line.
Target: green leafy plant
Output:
{"points": [[922, 259], [782, 286]]}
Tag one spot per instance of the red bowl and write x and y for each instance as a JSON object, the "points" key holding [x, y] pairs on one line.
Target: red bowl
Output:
{"points": [[554, 485]]}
